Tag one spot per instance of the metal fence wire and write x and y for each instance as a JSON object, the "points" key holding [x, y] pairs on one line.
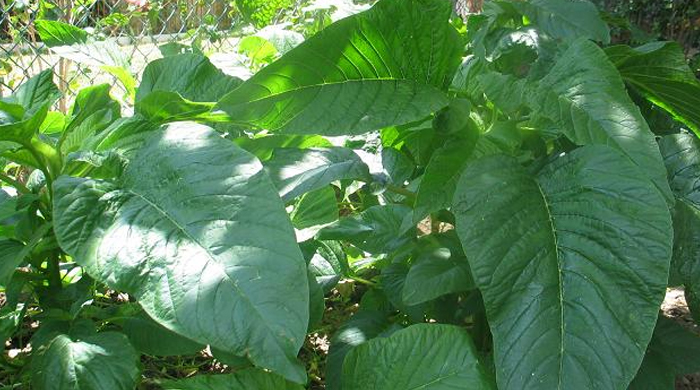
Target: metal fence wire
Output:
{"points": [[130, 31]]}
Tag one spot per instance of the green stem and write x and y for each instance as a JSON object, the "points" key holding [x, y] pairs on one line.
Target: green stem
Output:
{"points": [[14, 183], [362, 280], [54, 272]]}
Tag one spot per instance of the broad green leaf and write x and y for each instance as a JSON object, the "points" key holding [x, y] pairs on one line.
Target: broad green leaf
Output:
{"points": [[74, 137], [566, 19], [263, 146], [673, 351], [102, 361], [438, 268], [382, 67], [298, 171], [379, 229], [424, 356], [660, 72], [249, 379], [559, 256], [507, 91], [54, 33], [150, 338], [314, 208], [53, 123], [682, 157], [439, 181], [194, 219], [190, 75], [585, 96], [360, 328]]}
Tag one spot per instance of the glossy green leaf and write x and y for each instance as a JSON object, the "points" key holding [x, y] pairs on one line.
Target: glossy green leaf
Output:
{"points": [[297, 171], [660, 72], [438, 268], [55, 33], [566, 19], [682, 157], [102, 361], [673, 351], [249, 379], [572, 263], [190, 75], [385, 66], [194, 219], [585, 96], [424, 356]]}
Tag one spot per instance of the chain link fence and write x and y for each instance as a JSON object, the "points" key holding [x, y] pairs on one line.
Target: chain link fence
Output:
{"points": [[128, 34]]}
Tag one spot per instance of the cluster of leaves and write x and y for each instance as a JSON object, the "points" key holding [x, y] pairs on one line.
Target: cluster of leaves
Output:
{"points": [[509, 196]]}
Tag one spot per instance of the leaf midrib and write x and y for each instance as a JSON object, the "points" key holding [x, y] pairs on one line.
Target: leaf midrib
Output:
{"points": [[560, 290]]}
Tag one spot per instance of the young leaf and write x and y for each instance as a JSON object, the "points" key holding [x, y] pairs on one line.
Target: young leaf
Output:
{"points": [[379, 229], [297, 171], [440, 267], [194, 219], [420, 356], [660, 72], [558, 256], [682, 157], [248, 379], [315, 208], [439, 181], [385, 66], [566, 18], [102, 361], [54, 33], [190, 75], [585, 96]]}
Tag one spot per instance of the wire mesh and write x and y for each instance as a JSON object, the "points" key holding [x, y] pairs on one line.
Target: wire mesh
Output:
{"points": [[135, 29]]}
